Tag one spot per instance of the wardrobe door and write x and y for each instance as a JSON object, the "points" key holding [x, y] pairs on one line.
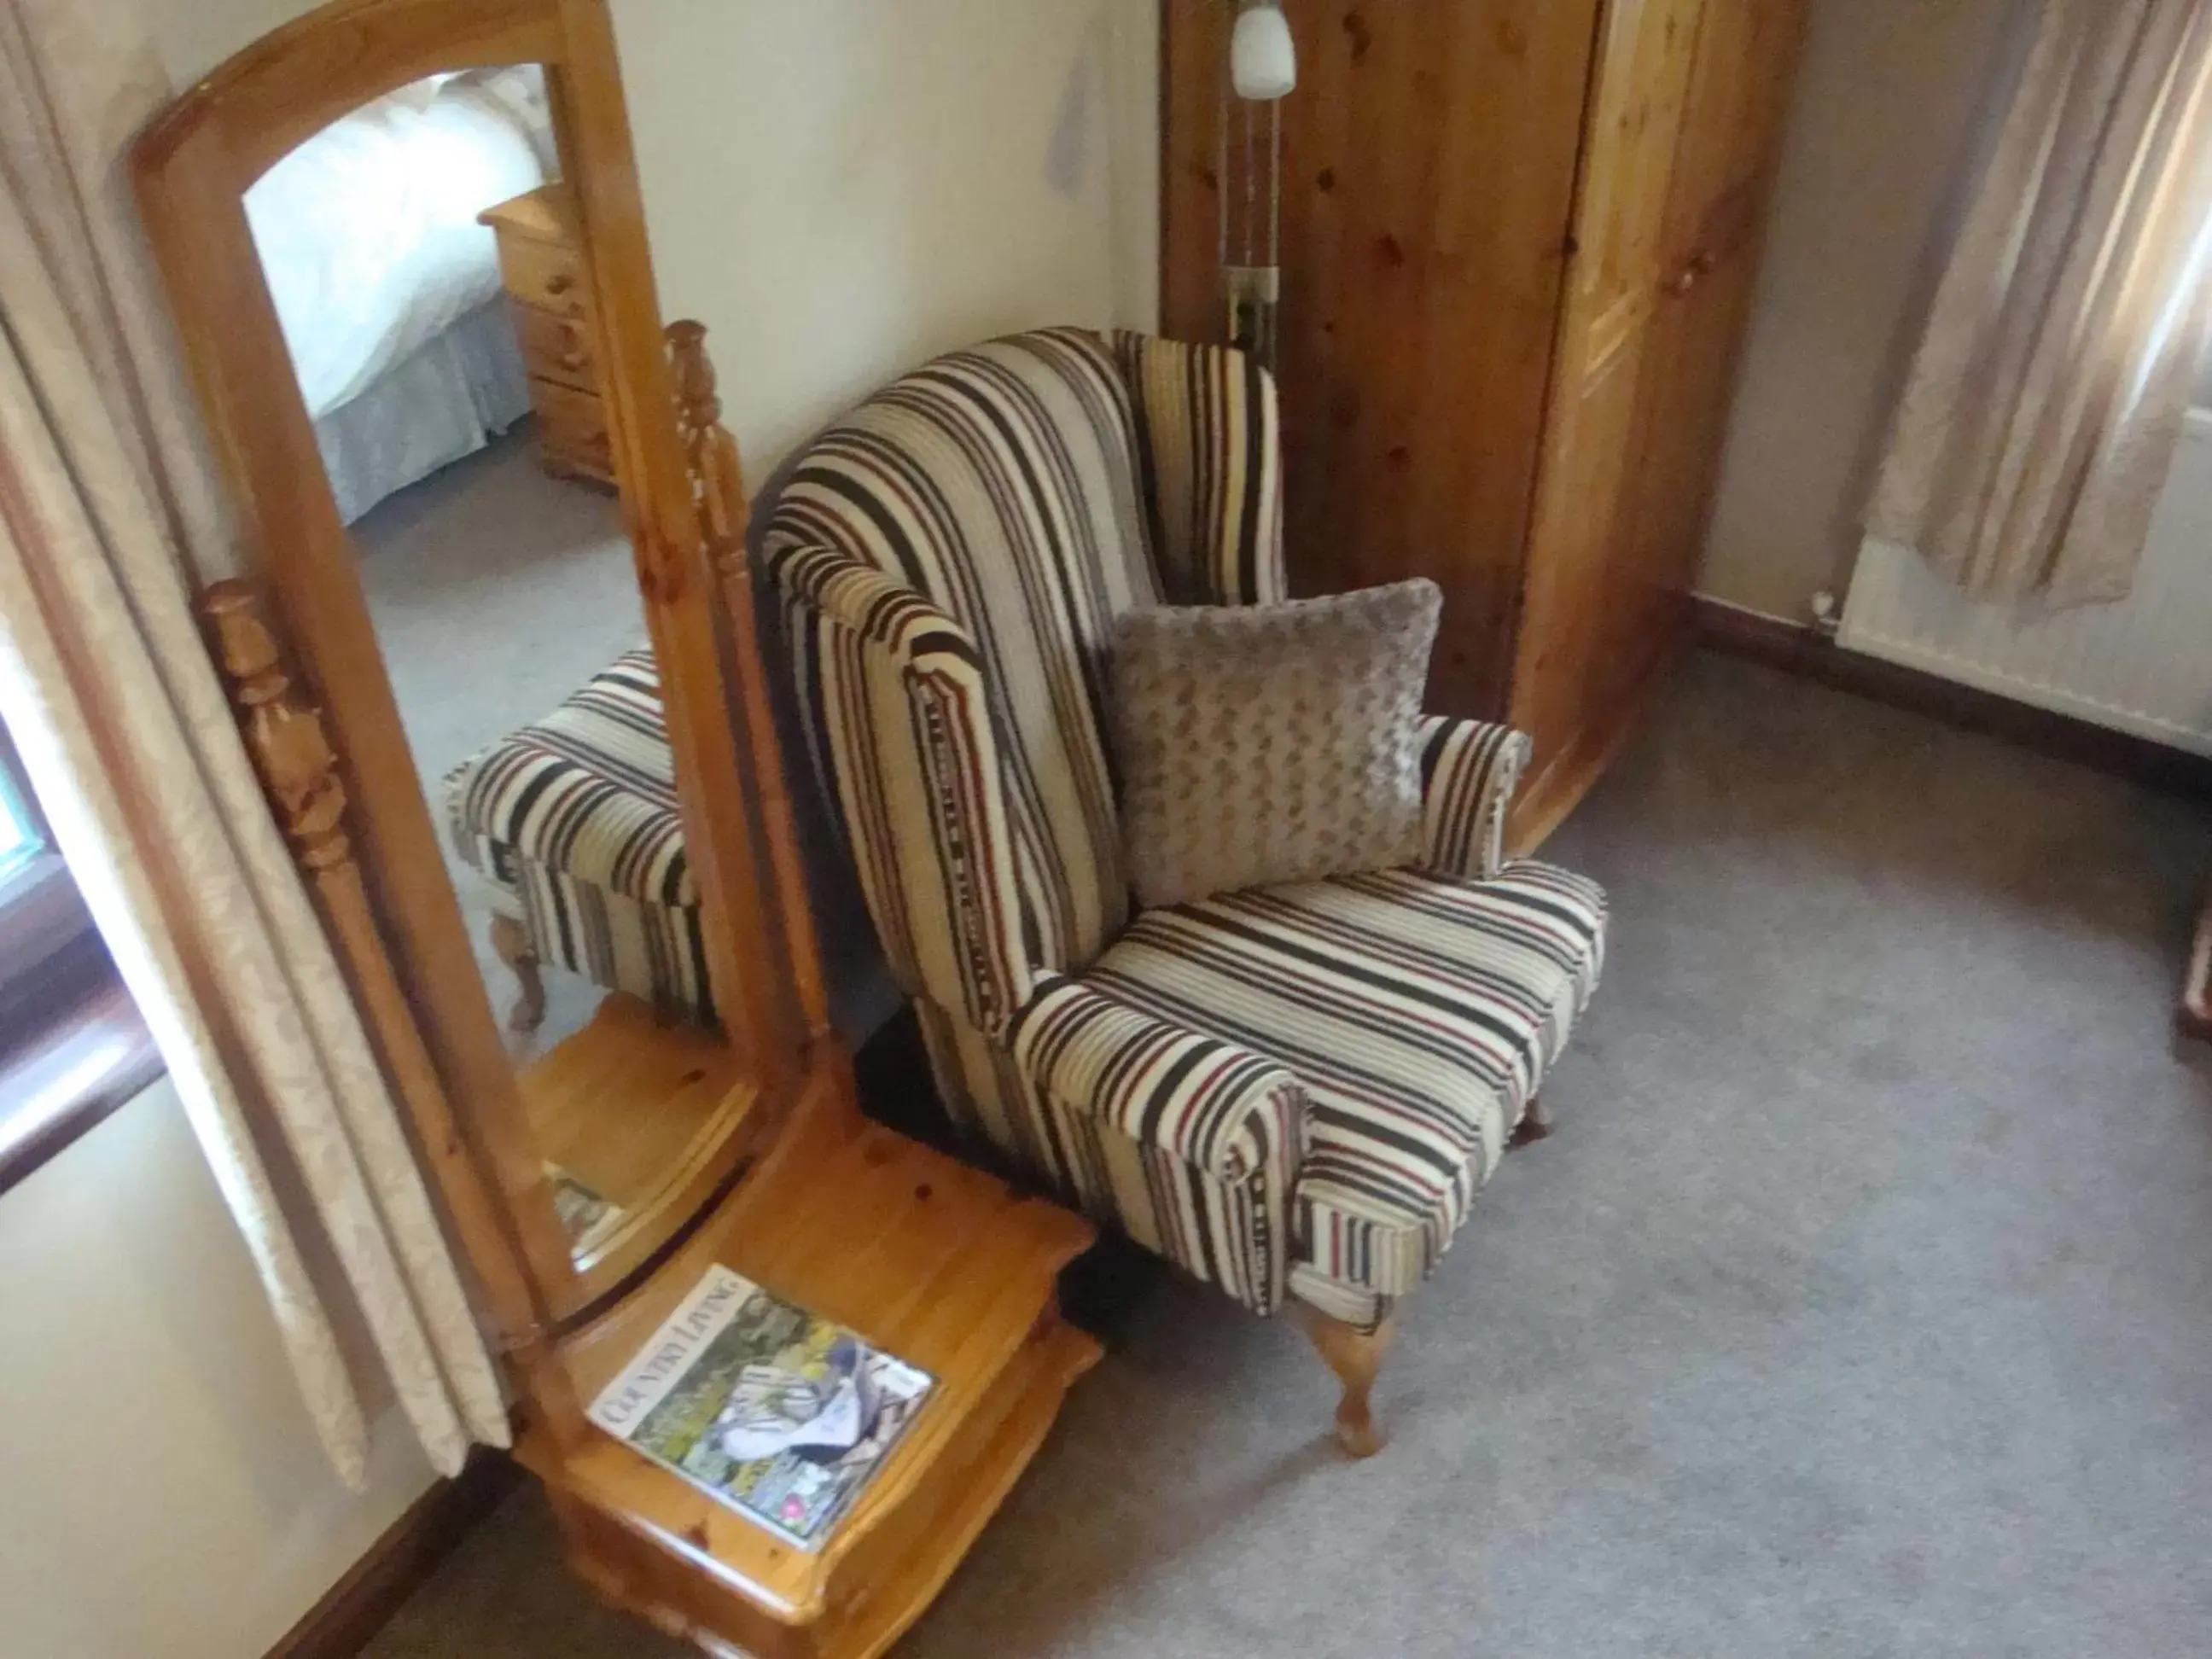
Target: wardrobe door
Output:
{"points": [[1582, 658], [1747, 50], [1746, 63], [1429, 164], [1692, 386]]}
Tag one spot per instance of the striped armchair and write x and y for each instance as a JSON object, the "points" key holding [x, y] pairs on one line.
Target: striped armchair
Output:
{"points": [[1292, 1093]]}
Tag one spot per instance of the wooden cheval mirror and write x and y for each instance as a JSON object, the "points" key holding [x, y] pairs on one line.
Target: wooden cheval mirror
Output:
{"points": [[735, 1138]]}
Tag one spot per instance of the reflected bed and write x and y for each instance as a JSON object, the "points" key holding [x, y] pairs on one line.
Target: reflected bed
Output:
{"points": [[387, 288]]}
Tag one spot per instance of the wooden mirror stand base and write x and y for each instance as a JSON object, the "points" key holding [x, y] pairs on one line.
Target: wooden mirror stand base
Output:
{"points": [[940, 1265]]}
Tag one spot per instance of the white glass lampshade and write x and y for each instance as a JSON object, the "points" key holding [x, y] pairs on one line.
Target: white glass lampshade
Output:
{"points": [[1263, 63]]}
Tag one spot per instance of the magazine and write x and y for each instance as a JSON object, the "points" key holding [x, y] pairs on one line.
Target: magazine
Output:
{"points": [[783, 1416]]}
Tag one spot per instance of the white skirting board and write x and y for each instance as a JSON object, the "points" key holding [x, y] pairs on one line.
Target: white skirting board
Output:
{"points": [[2142, 666]]}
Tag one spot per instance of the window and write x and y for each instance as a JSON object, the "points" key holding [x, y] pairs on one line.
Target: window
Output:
{"points": [[45, 934], [72, 1047]]}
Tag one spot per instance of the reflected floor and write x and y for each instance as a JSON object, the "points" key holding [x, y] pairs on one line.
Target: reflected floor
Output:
{"points": [[496, 591]]}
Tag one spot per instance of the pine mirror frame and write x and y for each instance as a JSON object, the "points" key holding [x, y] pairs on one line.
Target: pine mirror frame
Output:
{"points": [[191, 167]]}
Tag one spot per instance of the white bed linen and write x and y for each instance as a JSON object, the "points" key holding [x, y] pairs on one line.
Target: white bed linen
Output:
{"points": [[368, 231]]}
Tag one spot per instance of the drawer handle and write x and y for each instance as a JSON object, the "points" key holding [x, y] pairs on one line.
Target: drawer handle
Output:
{"points": [[561, 282], [576, 354]]}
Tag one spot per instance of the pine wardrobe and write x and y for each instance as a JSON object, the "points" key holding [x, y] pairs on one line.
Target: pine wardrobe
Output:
{"points": [[1519, 240]]}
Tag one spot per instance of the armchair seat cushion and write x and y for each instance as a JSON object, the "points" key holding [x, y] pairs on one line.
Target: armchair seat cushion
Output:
{"points": [[1419, 1015]]}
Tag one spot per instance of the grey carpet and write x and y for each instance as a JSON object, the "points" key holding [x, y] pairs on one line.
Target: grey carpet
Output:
{"points": [[1863, 1305], [496, 591]]}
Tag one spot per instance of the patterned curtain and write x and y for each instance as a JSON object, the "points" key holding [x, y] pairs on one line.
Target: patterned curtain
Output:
{"points": [[2047, 397], [107, 512]]}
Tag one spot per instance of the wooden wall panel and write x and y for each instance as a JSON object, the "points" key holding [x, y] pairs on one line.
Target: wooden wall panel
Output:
{"points": [[1429, 156]]}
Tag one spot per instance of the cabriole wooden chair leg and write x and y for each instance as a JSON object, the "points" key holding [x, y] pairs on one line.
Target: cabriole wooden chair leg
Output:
{"points": [[1355, 1356], [1535, 1123], [511, 942]]}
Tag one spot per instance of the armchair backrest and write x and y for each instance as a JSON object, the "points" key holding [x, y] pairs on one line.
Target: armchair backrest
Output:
{"points": [[952, 556], [1211, 455]]}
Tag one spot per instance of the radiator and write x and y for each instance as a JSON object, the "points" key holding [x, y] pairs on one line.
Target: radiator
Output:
{"points": [[2142, 666]]}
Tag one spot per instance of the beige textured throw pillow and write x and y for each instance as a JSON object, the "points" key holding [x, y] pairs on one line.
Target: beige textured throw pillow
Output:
{"points": [[1266, 743]]}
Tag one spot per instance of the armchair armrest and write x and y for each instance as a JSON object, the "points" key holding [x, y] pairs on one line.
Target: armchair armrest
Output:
{"points": [[1228, 1112], [1470, 770], [920, 791], [874, 608]]}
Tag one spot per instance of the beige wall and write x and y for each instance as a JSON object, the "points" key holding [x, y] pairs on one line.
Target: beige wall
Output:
{"points": [[1886, 99], [841, 188], [166, 1492], [195, 35]]}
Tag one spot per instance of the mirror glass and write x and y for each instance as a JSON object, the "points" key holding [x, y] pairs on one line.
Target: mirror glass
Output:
{"points": [[424, 258]]}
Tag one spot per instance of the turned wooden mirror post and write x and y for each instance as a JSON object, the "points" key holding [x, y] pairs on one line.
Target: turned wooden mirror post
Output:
{"points": [[718, 480], [300, 771]]}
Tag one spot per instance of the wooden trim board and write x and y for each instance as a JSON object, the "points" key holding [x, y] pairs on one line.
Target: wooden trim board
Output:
{"points": [[414, 1546], [1801, 649]]}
